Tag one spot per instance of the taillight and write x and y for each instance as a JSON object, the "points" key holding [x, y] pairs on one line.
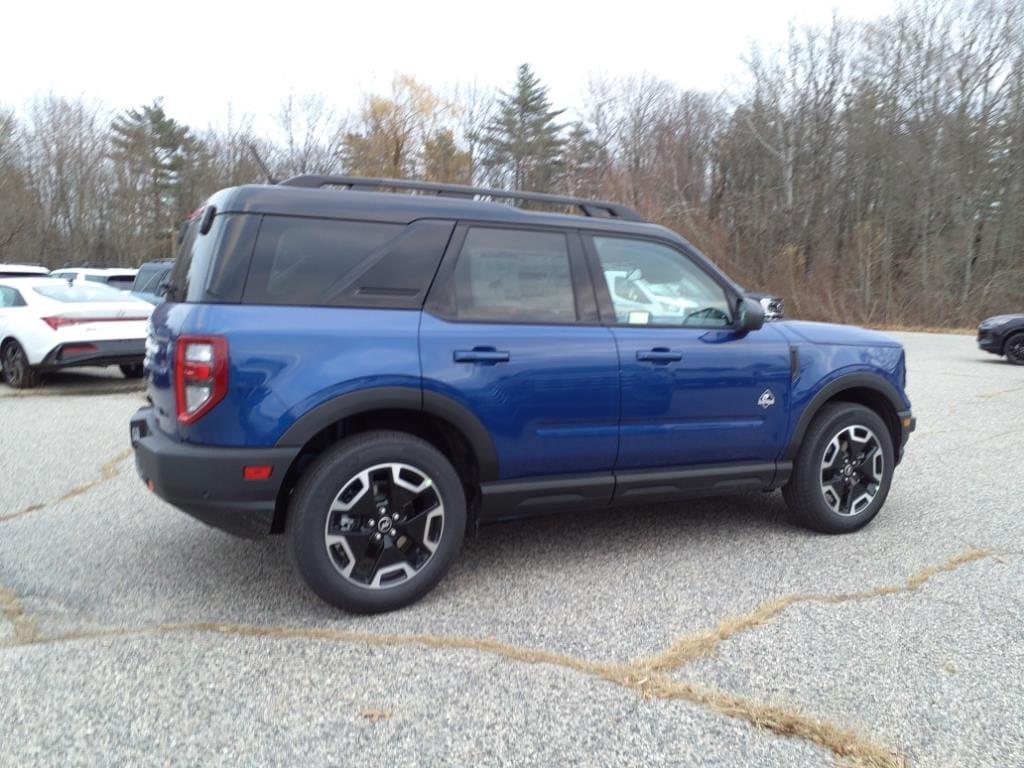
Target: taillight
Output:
{"points": [[200, 374], [59, 321]]}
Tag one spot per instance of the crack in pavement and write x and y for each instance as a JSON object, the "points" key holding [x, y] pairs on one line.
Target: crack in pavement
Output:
{"points": [[25, 630], [704, 643], [108, 471], [845, 743], [646, 677]]}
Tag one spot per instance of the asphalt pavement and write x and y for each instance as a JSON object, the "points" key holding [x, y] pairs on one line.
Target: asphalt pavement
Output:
{"points": [[708, 633]]}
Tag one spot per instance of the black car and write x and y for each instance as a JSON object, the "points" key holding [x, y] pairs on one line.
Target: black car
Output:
{"points": [[151, 280], [1003, 335]]}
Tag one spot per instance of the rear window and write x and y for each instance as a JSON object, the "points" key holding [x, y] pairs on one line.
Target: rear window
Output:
{"points": [[197, 275], [150, 276], [121, 282], [305, 261], [82, 293]]}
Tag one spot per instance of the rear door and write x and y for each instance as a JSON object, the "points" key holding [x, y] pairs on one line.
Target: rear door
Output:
{"points": [[511, 332], [694, 391]]}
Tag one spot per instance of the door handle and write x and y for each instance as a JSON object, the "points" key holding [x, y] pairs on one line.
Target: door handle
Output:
{"points": [[482, 355], [659, 355]]}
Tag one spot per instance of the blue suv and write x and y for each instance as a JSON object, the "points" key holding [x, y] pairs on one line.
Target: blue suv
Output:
{"points": [[375, 374]]}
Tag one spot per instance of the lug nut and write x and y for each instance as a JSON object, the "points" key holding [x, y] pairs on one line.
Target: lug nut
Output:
{"points": [[376, 537], [394, 516]]}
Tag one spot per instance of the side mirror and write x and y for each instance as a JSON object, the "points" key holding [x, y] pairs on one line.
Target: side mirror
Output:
{"points": [[161, 290], [749, 315]]}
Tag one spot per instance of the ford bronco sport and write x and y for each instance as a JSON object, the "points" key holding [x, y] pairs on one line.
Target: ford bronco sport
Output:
{"points": [[375, 373]]}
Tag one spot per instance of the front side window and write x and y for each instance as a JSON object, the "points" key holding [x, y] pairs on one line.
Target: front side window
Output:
{"points": [[653, 284], [514, 275]]}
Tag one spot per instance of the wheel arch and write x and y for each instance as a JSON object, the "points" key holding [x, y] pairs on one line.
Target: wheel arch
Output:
{"points": [[441, 421], [865, 389]]}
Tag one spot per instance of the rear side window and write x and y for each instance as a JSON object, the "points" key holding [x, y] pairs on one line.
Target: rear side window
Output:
{"points": [[9, 297], [514, 275], [335, 263]]}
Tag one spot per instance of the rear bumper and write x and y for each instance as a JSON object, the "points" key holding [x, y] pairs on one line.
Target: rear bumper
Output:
{"points": [[207, 482], [81, 353]]}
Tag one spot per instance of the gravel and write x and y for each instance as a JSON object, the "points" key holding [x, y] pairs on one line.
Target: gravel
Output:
{"points": [[935, 673]]}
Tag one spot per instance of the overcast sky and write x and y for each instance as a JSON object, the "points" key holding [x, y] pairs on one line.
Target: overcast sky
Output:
{"points": [[202, 56]]}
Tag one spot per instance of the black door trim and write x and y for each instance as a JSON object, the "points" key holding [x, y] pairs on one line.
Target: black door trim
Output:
{"points": [[523, 497]]}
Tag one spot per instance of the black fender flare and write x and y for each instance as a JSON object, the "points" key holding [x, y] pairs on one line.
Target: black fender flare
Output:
{"points": [[838, 386], [398, 398]]}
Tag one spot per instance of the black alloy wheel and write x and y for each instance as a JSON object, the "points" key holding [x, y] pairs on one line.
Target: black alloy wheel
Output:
{"points": [[376, 521], [1014, 349], [17, 371]]}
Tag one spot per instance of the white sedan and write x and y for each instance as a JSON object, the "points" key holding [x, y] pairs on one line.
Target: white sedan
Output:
{"points": [[47, 324]]}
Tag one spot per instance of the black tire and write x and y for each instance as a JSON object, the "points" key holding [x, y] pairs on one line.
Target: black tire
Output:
{"points": [[841, 509], [17, 371], [132, 370], [1014, 348], [311, 519]]}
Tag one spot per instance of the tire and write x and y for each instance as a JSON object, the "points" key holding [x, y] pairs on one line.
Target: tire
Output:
{"points": [[350, 553], [132, 370], [16, 369], [855, 494], [1014, 348]]}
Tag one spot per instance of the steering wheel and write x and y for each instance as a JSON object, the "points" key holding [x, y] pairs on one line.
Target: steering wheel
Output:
{"points": [[707, 313]]}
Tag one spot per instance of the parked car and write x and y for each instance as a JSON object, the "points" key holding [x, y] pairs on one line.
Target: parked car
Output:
{"points": [[115, 277], [23, 270], [47, 325], [1003, 335], [375, 374], [773, 306], [151, 281]]}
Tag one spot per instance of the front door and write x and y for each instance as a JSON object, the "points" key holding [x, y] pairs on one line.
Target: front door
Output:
{"points": [[695, 392], [511, 333]]}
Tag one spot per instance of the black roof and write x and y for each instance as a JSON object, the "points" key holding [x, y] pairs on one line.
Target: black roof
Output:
{"points": [[293, 200]]}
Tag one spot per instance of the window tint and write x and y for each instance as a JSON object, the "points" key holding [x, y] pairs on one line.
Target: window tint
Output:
{"points": [[121, 282], [214, 265], [303, 261], [9, 297], [653, 284], [516, 275]]}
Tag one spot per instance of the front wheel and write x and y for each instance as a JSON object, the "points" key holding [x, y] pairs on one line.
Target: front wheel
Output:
{"points": [[17, 371], [376, 522], [843, 470], [1014, 349]]}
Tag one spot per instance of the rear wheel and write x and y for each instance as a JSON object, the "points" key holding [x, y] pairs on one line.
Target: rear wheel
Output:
{"points": [[17, 371], [132, 370], [376, 522], [1014, 349], [843, 470]]}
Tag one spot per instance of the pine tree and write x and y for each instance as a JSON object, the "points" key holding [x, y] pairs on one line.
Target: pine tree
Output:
{"points": [[584, 163], [153, 150], [523, 144]]}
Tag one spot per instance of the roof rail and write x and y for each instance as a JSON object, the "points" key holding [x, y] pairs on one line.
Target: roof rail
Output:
{"points": [[597, 208]]}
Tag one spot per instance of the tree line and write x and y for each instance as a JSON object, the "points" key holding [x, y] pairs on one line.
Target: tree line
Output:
{"points": [[866, 171]]}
